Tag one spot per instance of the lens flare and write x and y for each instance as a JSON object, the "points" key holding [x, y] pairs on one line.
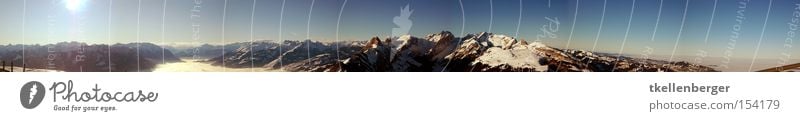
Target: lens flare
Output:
{"points": [[74, 5]]}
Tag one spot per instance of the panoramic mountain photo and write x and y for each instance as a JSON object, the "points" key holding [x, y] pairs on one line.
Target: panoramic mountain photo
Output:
{"points": [[398, 36]]}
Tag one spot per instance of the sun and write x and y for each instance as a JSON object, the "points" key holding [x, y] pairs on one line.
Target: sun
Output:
{"points": [[74, 5]]}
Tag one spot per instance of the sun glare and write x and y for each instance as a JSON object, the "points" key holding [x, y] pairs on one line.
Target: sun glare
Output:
{"points": [[74, 5]]}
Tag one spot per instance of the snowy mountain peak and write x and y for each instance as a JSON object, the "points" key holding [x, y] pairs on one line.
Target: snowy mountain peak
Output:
{"points": [[491, 52]]}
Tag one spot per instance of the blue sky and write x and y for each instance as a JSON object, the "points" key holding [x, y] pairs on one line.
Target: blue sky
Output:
{"points": [[49, 21]]}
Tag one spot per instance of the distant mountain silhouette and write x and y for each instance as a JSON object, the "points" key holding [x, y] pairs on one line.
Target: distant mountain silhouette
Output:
{"points": [[77, 56]]}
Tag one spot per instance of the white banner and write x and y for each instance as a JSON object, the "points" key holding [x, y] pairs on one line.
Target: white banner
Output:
{"points": [[400, 96]]}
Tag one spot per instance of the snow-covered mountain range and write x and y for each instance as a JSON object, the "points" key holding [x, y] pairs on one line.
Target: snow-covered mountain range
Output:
{"points": [[439, 52], [289, 55], [434, 53], [489, 52]]}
